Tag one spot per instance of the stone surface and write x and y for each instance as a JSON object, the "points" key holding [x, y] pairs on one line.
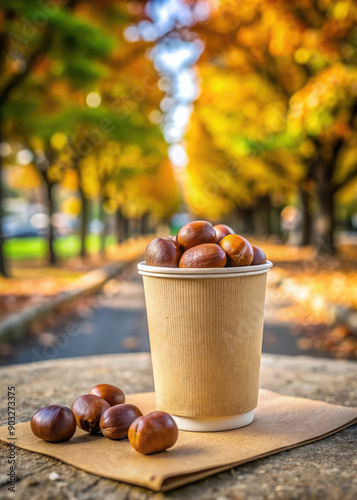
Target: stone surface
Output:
{"points": [[322, 470]]}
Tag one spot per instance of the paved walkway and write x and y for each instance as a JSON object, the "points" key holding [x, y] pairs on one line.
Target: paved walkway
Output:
{"points": [[114, 321]]}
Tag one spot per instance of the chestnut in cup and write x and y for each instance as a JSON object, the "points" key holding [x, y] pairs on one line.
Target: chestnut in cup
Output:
{"points": [[162, 252], [115, 422], [222, 230], [196, 233], [239, 251], [54, 423], [152, 433], [88, 409], [259, 256], [206, 255], [110, 393]]}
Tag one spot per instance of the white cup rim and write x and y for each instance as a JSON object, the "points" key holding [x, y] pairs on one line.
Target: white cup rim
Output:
{"points": [[223, 272]]}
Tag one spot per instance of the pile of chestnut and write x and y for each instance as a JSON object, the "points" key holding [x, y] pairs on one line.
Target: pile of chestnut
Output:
{"points": [[199, 244], [104, 409]]}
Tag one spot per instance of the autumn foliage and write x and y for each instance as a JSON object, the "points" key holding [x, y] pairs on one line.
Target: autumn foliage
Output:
{"points": [[277, 111], [77, 95], [274, 123]]}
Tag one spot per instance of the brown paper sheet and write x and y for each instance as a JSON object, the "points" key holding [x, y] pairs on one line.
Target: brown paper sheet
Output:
{"points": [[281, 422]]}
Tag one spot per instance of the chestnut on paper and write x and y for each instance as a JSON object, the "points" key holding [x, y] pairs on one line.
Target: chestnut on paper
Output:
{"points": [[54, 423], [110, 393], [115, 422], [88, 409], [154, 432]]}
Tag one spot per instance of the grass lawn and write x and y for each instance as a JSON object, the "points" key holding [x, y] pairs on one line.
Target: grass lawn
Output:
{"points": [[65, 246], [31, 276]]}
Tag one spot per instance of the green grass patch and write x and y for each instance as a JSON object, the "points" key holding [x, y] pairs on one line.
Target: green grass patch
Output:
{"points": [[65, 246], [25, 248]]}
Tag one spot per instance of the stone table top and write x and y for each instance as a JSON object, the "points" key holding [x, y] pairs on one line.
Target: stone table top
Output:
{"points": [[325, 469]]}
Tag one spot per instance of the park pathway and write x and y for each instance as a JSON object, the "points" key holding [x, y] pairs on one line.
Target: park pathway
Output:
{"points": [[114, 321]]}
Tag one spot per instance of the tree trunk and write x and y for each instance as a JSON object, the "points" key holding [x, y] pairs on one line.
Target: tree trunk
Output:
{"points": [[104, 233], [84, 223], [145, 223], [276, 221], [264, 207], [246, 216], [3, 270], [122, 226], [306, 231], [51, 235], [325, 222]]}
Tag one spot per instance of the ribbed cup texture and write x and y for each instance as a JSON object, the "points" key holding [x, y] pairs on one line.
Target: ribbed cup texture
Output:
{"points": [[206, 339]]}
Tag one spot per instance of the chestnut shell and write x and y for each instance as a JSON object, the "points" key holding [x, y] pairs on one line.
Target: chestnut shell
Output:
{"points": [[239, 251], [196, 233], [162, 252], [154, 432], [110, 393], [88, 409], [54, 423], [259, 256], [222, 230], [115, 422], [207, 255]]}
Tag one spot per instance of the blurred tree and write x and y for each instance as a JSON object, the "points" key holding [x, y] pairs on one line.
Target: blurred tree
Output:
{"points": [[71, 102], [154, 191], [39, 40], [306, 51], [325, 111], [238, 149]]}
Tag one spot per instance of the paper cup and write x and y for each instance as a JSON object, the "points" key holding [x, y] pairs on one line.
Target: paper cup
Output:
{"points": [[205, 328]]}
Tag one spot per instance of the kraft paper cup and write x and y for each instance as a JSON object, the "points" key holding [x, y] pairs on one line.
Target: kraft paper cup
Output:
{"points": [[206, 328]]}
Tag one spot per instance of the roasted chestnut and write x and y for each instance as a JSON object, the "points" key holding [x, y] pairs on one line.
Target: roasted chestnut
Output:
{"points": [[154, 432], [195, 233], [110, 393], [206, 255], [162, 252], [239, 251], [115, 422], [222, 230], [88, 409], [54, 423], [259, 256]]}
